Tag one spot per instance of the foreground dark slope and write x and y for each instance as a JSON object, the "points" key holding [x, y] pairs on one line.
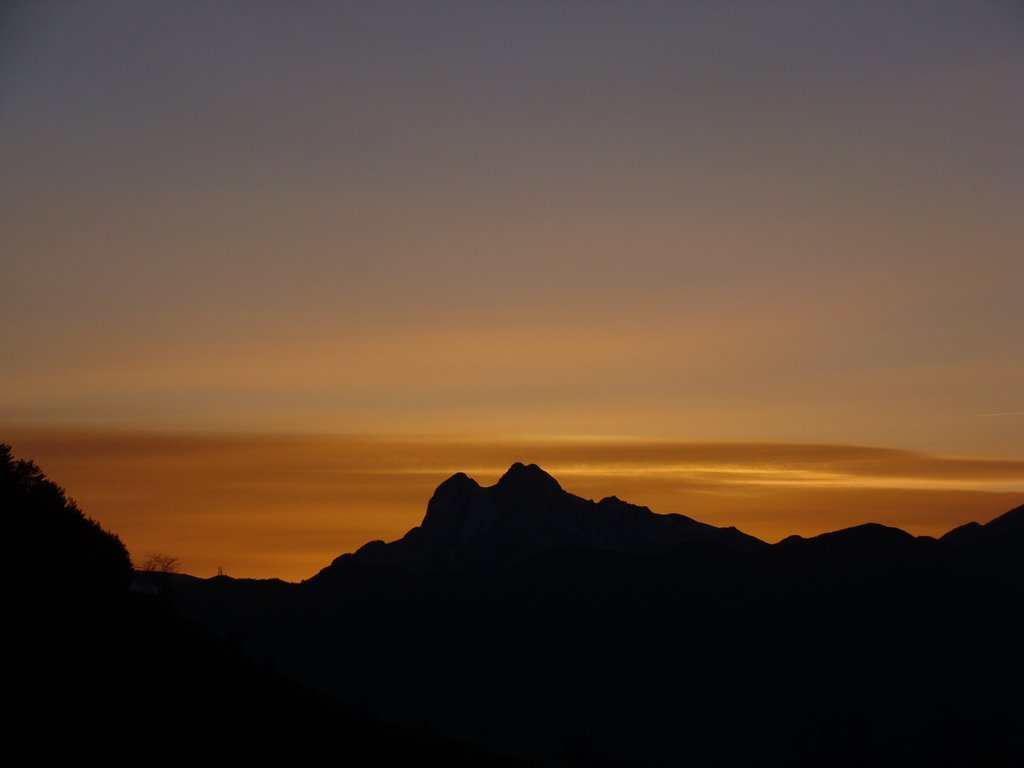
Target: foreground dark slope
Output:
{"points": [[123, 677], [547, 626]]}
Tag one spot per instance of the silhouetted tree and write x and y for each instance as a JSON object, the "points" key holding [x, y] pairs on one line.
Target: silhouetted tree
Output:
{"points": [[52, 545], [157, 562]]}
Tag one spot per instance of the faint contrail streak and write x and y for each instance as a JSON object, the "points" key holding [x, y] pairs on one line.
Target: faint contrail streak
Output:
{"points": [[1009, 413]]}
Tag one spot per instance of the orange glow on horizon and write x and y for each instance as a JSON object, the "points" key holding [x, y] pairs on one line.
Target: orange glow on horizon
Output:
{"points": [[679, 222], [285, 506]]}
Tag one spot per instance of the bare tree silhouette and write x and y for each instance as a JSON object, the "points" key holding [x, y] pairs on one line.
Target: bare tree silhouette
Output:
{"points": [[157, 562]]}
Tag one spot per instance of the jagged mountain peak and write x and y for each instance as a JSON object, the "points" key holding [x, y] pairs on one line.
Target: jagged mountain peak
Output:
{"points": [[458, 504], [469, 527], [457, 483], [528, 478]]}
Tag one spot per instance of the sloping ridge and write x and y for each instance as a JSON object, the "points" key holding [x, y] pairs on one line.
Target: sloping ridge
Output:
{"points": [[469, 527], [1002, 535]]}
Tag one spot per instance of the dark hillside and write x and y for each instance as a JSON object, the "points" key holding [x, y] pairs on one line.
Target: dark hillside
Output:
{"points": [[124, 677]]}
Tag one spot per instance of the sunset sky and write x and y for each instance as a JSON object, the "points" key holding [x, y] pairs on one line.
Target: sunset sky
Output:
{"points": [[269, 271]]}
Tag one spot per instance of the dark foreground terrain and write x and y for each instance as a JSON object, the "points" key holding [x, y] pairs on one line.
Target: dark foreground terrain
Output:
{"points": [[98, 673], [539, 627]]}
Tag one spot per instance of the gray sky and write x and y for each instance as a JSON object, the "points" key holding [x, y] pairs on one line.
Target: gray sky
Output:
{"points": [[730, 220]]}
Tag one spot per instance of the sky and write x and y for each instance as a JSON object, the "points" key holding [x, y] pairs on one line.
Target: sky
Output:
{"points": [[513, 225]]}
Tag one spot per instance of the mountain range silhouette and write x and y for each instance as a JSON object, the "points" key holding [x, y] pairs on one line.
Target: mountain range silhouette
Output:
{"points": [[483, 529], [522, 625], [562, 631]]}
